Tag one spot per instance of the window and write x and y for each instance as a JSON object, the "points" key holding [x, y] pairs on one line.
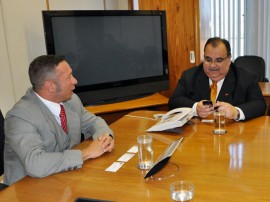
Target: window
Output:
{"points": [[244, 23], [225, 19]]}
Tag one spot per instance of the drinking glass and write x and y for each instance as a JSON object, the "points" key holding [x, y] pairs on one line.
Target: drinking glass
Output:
{"points": [[182, 191], [145, 151], [219, 122]]}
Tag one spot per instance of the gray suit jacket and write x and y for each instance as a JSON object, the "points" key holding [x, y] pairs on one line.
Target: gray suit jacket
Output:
{"points": [[35, 143]]}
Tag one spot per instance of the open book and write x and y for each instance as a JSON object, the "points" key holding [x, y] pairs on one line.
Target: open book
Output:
{"points": [[173, 119]]}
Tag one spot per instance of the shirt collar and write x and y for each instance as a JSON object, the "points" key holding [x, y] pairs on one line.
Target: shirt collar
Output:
{"points": [[219, 83], [53, 107]]}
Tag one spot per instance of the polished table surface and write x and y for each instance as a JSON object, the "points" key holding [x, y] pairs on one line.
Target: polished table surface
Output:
{"points": [[230, 167]]}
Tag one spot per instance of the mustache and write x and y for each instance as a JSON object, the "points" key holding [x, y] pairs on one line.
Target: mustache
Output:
{"points": [[213, 68]]}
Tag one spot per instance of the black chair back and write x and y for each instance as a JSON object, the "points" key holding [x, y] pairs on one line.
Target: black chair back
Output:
{"points": [[2, 142], [254, 63], [2, 139]]}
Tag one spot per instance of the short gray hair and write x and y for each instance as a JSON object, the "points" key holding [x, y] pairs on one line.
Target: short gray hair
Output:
{"points": [[43, 68]]}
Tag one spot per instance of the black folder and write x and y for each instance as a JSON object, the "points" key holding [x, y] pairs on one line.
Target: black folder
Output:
{"points": [[164, 158], [80, 199]]}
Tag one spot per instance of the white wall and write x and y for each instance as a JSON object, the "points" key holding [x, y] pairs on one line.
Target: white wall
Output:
{"points": [[7, 98], [76, 4], [22, 39], [115, 5]]}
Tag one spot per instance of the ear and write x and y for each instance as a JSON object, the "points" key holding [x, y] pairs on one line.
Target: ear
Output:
{"points": [[50, 86]]}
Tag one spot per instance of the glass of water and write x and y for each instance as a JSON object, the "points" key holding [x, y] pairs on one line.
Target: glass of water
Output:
{"points": [[219, 122], [182, 191], [145, 151]]}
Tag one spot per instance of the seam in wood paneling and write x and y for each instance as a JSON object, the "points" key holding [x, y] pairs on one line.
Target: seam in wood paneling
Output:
{"points": [[47, 5]]}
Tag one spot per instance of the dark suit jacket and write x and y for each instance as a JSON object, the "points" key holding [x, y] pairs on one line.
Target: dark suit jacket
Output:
{"points": [[240, 88]]}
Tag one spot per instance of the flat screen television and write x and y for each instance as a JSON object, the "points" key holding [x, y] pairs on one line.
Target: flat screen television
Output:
{"points": [[114, 55]]}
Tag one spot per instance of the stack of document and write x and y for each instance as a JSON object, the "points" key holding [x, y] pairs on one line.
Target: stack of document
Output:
{"points": [[173, 119]]}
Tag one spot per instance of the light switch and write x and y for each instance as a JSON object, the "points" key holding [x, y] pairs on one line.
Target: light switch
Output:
{"points": [[192, 57]]}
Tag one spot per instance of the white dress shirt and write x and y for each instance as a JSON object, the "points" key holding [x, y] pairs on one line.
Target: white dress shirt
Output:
{"points": [[53, 107]]}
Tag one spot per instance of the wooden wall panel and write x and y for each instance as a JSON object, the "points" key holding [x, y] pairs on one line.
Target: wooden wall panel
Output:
{"points": [[182, 34]]}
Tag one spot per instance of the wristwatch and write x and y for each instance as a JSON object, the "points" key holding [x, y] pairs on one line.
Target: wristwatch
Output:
{"points": [[111, 136]]}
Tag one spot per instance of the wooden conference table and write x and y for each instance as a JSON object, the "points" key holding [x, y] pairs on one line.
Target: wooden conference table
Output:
{"points": [[230, 167]]}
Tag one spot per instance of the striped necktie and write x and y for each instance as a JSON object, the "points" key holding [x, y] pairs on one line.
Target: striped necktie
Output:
{"points": [[63, 119], [213, 93]]}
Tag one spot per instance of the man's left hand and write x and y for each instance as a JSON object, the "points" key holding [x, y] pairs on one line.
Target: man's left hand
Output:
{"points": [[231, 111], [107, 142]]}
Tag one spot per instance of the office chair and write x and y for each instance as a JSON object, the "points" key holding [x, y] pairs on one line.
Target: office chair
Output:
{"points": [[2, 139], [254, 63]]}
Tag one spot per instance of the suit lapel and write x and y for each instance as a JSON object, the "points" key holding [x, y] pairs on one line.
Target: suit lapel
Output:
{"points": [[63, 139], [203, 81], [73, 121], [227, 89]]}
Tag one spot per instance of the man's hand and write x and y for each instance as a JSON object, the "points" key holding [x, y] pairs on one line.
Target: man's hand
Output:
{"points": [[104, 143], [204, 110], [231, 111], [107, 142]]}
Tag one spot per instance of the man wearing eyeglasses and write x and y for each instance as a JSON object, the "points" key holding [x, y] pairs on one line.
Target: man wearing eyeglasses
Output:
{"points": [[237, 90]]}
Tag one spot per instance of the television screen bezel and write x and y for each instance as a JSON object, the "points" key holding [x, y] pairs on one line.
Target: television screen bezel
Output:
{"points": [[121, 90]]}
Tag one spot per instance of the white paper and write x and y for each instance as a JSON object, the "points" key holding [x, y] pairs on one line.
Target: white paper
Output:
{"points": [[207, 121], [133, 149], [126, 157], [114, 167]]}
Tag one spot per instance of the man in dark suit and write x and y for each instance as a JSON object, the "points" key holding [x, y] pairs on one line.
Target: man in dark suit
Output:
{"points": [[238, 92]]}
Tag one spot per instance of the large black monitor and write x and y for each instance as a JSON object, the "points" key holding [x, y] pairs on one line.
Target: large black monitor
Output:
{"points": [[113, 54]]}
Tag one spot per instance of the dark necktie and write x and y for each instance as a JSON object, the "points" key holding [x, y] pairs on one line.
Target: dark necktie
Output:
{"points": [[213, 94], [63, 119]]}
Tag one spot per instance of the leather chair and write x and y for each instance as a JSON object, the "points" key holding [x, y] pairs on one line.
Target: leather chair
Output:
{"points": [[2, 139], [254, 63]]}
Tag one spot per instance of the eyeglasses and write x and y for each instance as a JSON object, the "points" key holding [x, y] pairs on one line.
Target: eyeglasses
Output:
{"points": [[208, 60]]}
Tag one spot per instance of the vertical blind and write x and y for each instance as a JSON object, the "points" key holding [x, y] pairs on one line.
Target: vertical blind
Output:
{"points": [[227, 21], [244, 23]]}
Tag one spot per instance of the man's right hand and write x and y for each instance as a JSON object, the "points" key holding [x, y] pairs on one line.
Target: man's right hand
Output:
{"points": [[93, 150], [204, 110]]}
